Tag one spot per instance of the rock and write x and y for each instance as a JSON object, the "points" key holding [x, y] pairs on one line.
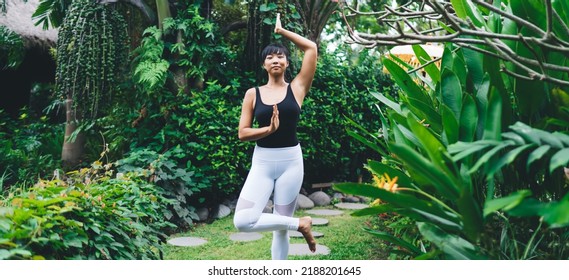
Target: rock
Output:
{"points": [[320, 198], [304, 202], [351, 199], [187, 241], [338, 196], [202, 213], [223, 211]]}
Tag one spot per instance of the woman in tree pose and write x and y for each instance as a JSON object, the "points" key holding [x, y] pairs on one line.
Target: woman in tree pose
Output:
{"points": [[277, 164]]}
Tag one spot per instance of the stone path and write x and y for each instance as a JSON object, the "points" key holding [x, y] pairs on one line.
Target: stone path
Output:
{"points": [[187, 241], [245, 236], [294, 233], [302, 250], [351, 206], [325, 212], [319, 221]]}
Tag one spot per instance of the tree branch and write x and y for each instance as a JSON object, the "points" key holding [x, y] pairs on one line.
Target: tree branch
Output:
{"points": [[463, 33]]}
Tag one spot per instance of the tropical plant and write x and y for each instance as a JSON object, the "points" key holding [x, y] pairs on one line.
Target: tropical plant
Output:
{"points": [[92, 51], [30, 149], [11, 49], [179, 181], [460, 174], [453, 197], [87, 216]]}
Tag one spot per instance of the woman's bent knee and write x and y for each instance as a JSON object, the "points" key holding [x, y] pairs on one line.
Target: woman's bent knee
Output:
{"points": [[242, 223]]}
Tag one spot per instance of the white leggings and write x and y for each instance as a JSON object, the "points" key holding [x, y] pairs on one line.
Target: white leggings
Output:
{"points": [[273, 169]]}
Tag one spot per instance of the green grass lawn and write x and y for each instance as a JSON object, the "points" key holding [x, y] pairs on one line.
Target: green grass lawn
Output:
{"points": [[343, 236]]}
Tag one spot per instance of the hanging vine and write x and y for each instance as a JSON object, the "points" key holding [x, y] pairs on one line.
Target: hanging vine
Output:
{"points": [[92, 52]]}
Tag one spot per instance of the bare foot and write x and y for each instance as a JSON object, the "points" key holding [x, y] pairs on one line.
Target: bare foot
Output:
{"points": [[305, 227]]}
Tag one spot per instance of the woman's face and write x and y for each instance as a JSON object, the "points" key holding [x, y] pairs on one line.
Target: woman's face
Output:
{"points": [[275, 63]]}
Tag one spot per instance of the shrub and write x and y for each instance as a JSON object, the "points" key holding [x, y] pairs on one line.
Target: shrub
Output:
{"points": [[178, 181], [83, 217], [29, 149]]}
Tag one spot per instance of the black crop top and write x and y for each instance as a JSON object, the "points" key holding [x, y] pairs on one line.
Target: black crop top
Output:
{"points": [[289, 114]]}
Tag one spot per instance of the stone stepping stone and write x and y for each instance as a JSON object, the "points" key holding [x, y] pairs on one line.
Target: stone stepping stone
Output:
{"points": [[325, 212], [350, 205], [187, 241], [246, 236], [302, 250], [294, 233], [319, 221]]}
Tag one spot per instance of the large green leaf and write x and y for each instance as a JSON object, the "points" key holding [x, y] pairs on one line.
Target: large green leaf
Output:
{"points": [[505, 203], [530, 10], [461, 150], [409, 135], [451, 92], [374, 210], [450, 125], [559, 159], [459, 67], [365, 141], [454, 246], [388, 102], [514, 137], [395, 240], [562, 8], [431, 69], [536, 155], [468, 119], [405, 204], [466, 11], [427, 112], [398, 136], [426, 169], [527, 208], [493, 125], [508, 158], [556, 214], [430, 144], [471, 214], [481, 99], [405, 82], [485, 158]]}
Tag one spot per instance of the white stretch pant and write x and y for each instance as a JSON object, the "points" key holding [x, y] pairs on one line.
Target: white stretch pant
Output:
{"points": [[278, 170]]}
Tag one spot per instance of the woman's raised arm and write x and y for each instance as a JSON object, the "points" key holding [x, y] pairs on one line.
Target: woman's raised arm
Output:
{"points": [[303, 79]]}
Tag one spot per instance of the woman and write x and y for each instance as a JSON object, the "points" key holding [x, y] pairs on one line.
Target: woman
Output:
{"points": [[277, 164]]}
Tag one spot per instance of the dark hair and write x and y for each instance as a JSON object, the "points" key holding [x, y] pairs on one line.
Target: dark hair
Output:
{"points": [[274, 48]]}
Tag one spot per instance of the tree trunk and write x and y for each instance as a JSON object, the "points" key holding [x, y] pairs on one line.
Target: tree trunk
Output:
{"points": [[72, 151], [258, 36]]}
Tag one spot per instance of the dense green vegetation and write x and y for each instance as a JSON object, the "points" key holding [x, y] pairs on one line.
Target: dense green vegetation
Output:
{"points": [[478, 154], [467, 161], [177, 138]]}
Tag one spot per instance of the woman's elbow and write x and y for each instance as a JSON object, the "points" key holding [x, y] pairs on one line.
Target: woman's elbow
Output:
{"points": [[241, 136]]}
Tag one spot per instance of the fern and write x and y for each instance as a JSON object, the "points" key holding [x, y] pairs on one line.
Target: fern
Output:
{"points": [[151, 70]]}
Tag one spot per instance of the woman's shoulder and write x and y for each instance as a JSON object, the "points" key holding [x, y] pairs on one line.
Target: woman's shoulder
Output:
{"points": [[250, 91]]}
